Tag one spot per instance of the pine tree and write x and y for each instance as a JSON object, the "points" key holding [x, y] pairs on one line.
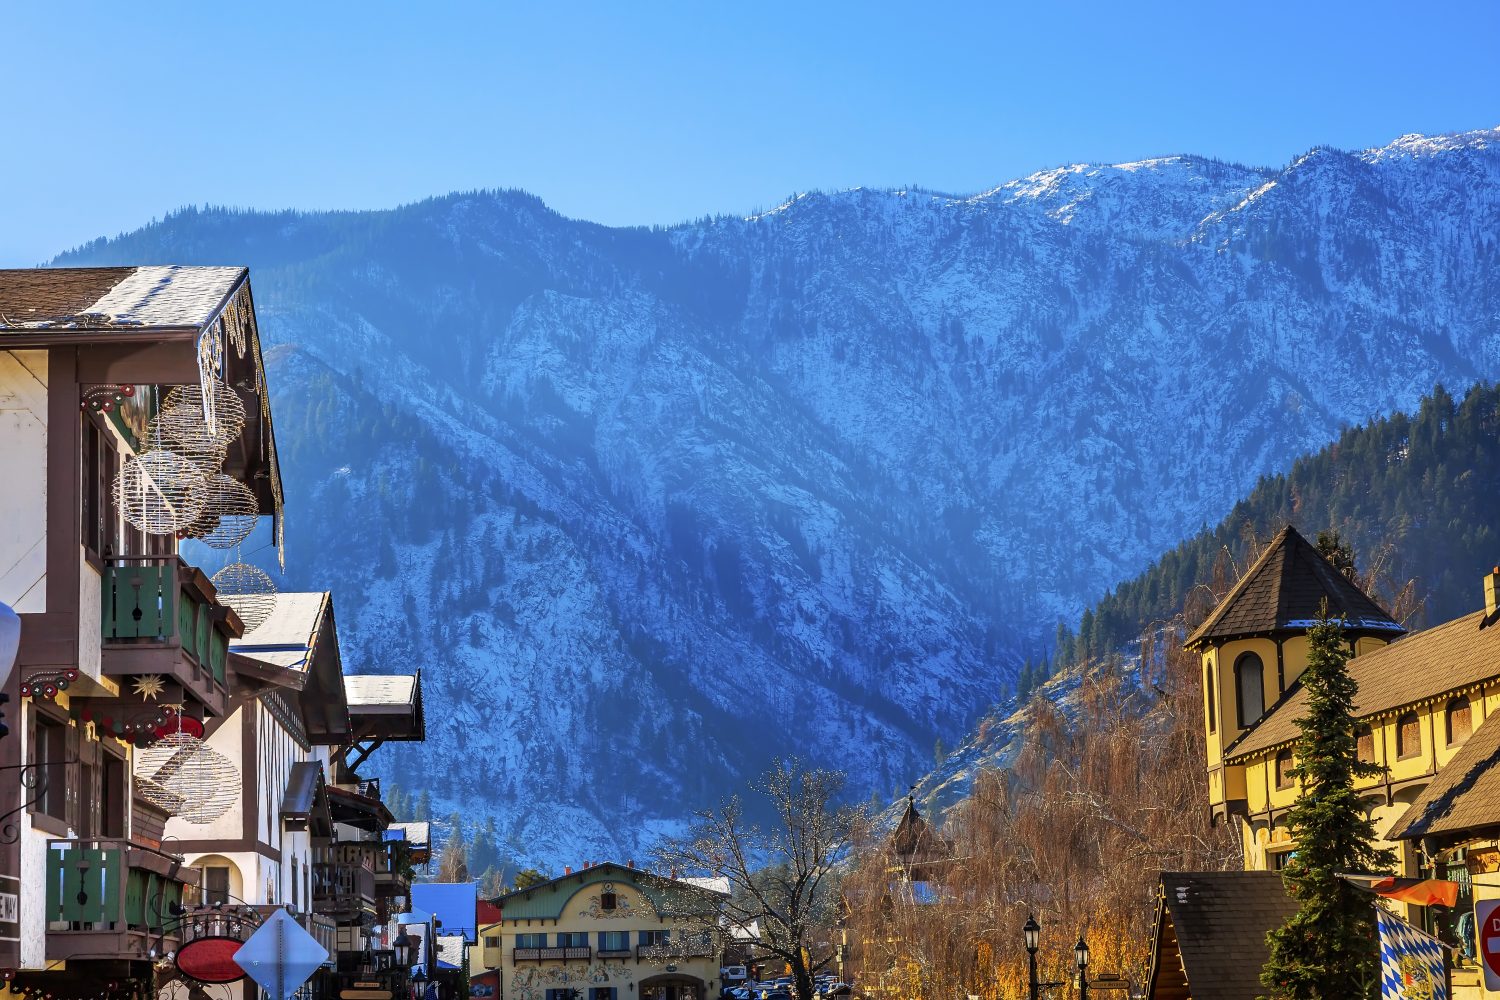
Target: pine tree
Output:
{"points": [[1338, 552], [1327, 948], [424, 807]]}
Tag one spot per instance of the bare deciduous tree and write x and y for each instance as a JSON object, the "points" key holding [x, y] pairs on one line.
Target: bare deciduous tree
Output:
{"points": [[782, 878]]}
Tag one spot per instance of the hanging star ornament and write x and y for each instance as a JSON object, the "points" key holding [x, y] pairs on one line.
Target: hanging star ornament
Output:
{"points": [[149, 686]]}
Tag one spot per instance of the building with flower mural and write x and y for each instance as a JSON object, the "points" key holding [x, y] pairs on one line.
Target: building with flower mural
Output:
{"points": [[609, 932]]}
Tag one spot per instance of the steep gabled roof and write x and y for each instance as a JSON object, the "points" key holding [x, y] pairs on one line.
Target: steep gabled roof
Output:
{"points": [[1211, 930], [1465, 795], [1285, 589], [1422, 667]]}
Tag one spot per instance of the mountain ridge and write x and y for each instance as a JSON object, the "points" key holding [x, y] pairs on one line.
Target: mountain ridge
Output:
{"points": [[652, 505]]}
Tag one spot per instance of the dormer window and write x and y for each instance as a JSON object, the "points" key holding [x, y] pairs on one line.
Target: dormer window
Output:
{"points": [[1249, 689]]}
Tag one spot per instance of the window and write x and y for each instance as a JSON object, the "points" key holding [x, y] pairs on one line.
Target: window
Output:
{"points": [[655, 939], [1249, 689], [1458, 720], [1408, 736], [49, 752], [531, 940], [607, 900], [215, 884], [614, 940], [101, 462], [491, 942], [1284, 766], [295, 883], [602, 993], [1212, 691], [576, 939], [1364, 740]]}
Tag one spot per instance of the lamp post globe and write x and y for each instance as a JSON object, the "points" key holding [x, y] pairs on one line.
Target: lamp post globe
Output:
{"points": [[402, 947], [1081, 955], [1032, 933]]}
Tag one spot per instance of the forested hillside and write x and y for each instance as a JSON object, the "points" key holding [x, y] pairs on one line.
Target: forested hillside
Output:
{"points": [[1417, 497]]}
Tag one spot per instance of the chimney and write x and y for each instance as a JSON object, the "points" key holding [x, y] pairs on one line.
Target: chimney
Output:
{"points": [[1491, 593], [630, 863], [567, 869]]}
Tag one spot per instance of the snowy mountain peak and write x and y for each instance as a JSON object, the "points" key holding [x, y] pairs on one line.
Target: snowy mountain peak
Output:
{"points": [[652, 506]]}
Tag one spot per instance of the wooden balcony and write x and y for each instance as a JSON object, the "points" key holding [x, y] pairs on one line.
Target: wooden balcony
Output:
{"points": [[162, 616], [343, 892], [111, 899], [551, 954]]}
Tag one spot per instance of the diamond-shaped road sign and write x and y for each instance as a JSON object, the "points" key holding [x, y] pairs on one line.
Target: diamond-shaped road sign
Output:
{"points": [[280, 955]]}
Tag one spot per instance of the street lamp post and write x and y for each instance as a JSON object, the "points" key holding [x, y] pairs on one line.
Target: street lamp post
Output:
{"points": [[1081, 956], [1033, 934]]}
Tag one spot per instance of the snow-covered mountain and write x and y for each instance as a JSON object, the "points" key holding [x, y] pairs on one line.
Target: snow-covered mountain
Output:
{"points": [[651, 506]]}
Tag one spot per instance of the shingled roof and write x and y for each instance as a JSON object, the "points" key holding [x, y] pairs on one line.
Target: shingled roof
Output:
{"points": [[114, 298], [1285, 589], [1211, 934], [1421, 667], [1465, 795]]}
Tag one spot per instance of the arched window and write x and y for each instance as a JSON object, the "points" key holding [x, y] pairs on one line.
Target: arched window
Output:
{"points": [[1458, 721], [1249, 689], [1408, 736], [1284, 770], [1364, 740]]}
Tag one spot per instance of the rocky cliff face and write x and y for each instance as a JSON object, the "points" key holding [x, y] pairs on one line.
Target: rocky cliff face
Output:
{"points": [[649, 507]]}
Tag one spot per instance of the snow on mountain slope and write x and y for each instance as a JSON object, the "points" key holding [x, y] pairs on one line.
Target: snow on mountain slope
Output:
{"points": [[652, 506]]}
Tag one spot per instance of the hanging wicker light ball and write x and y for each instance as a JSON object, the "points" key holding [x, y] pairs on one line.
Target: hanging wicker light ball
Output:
{"points": [[226, 409], [182, 775], [249, 591], [229, 514], [181, 429], [160, 492]]}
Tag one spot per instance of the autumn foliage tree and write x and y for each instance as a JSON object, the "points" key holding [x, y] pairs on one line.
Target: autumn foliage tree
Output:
{"points": [[1105, 790]]}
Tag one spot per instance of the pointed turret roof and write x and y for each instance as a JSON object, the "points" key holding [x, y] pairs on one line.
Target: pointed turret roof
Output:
{"points": [[1285, 590]]}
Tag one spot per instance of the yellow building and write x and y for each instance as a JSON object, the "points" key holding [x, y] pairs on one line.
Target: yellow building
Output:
{"points": [[610, 932], [1420, 697], [1254, 648]]}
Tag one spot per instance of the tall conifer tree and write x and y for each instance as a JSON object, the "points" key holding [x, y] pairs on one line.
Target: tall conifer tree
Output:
{"points": [[1327, 948]]}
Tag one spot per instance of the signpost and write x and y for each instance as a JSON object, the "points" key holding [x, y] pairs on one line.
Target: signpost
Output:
{"points": [[1487, 926], [281, 956]]}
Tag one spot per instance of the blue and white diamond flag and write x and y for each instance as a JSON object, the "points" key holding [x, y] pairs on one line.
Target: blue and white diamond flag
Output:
{"points": [[1412, 962]]}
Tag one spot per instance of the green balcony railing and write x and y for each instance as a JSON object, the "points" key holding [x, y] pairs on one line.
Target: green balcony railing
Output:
{"points": [[112, 885], [156, 599]]}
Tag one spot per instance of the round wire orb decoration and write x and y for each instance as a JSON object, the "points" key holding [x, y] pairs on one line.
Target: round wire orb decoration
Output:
{"points": [[221, 420], [249, 591], [229, 514], [160, 492], [181, 429], [182, 775]]}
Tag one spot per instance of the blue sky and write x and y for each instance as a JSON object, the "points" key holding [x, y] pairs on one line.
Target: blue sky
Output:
{"points": [[653, 113]]}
